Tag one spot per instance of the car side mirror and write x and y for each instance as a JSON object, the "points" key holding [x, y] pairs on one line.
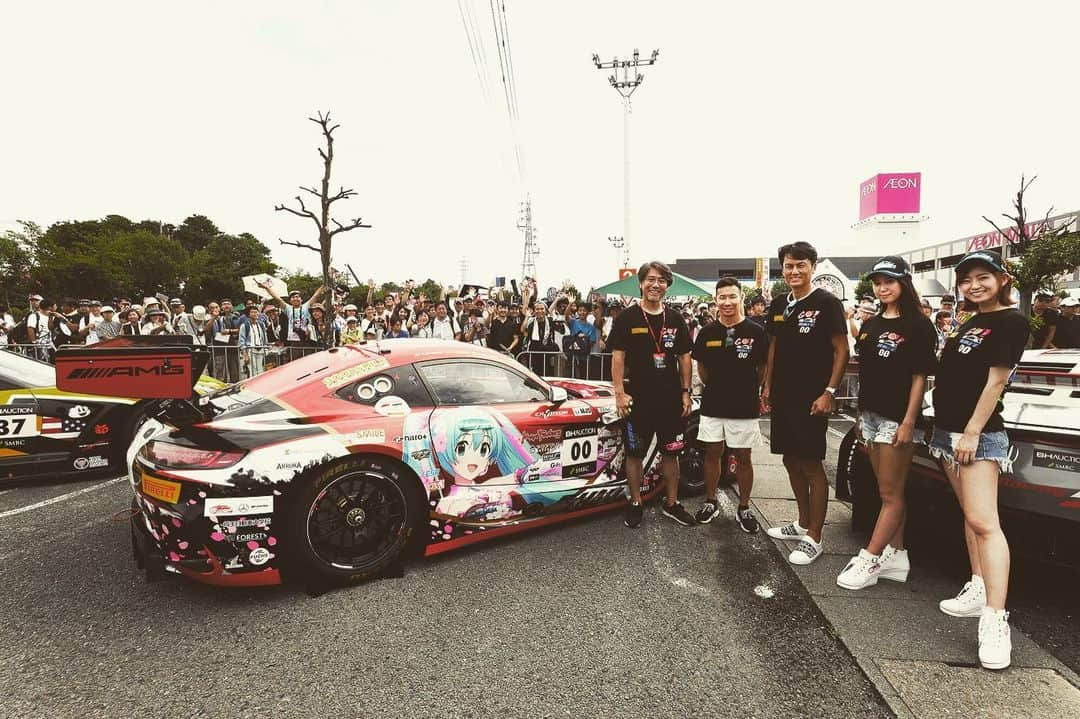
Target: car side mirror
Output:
{"points": [[558, 395]]}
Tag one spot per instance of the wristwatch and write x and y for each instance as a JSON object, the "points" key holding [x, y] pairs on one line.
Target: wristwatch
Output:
{"points": [[686, 390], [831, 390]]}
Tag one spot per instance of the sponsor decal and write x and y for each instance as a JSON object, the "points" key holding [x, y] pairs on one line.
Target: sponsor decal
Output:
{"points": [[101, 429], [245, 522], [888, 342], [806, 320], [259, 556], [161, 489], [410, 438], [231, 506], [248, 537], [94, 462], [356, 372], [639, 330], [743, 347], [129, 371], [579, 450], [79, 411], [1056, 459], [583, 411], [392, 406], [546, 413], [421, 454], [366, 436], [288, 465], [971, 339]]}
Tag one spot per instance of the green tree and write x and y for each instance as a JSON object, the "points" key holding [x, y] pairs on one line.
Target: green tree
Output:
{"points": [[302, 281], [780, 287], [1022, 236], [18, 249], [864, 287], [144, 263], [1044, 261], [217, 268], [195, 233]]}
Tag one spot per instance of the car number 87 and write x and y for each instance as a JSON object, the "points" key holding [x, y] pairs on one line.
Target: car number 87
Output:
{"points": [[23, 426]]}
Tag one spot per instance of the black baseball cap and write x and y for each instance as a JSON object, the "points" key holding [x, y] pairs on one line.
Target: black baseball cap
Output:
{"points": [[891, 266], [986, 257]]}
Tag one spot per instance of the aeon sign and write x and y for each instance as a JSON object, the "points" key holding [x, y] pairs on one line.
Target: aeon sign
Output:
{"points": [[894, 193]]}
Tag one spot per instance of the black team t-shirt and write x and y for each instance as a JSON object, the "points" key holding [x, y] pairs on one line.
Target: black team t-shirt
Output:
{"points": [[1049, 318], [642, 336], [802, 363], [502, 333], [891, 351], [731, 357], [994, 339]]}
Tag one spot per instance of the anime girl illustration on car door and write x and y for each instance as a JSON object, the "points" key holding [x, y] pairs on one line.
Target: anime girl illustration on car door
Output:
{"points": [[473, 465]]}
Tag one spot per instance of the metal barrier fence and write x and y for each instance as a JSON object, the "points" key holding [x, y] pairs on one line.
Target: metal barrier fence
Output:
{"points": [[596, 367]]}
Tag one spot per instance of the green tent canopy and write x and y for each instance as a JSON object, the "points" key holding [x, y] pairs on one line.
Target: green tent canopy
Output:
{"points": [[681, 287]]}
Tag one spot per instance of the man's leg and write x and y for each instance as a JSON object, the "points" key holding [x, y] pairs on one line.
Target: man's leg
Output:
{"points": [[800, 487], [634, 472], [744, 475], [818, 486], [714, 458]]}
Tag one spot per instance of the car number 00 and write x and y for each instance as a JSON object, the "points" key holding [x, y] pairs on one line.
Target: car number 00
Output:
{"points": [[581, 450]]}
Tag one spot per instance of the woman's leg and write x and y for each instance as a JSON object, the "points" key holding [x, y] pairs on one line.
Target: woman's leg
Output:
{"points": [[952, 472], [891, 466], [979, 480]]}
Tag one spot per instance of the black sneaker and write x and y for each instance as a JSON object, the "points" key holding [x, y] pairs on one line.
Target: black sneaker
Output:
{"points": [[679, 514], [746, 521], [632, 517], [708, 512]]}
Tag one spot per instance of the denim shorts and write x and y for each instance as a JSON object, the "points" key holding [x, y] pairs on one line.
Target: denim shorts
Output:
{"points": [[877, 428], [993, 446]]}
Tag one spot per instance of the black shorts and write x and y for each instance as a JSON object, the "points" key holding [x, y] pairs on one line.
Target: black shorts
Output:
{"points": [[796, 432], [665, 423]]}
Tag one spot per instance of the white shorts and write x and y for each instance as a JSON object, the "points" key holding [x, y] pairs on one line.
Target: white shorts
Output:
{"points": [[736, 433]]}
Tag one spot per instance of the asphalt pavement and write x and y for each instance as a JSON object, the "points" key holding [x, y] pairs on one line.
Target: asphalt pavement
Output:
{"points": [[589, 619]]}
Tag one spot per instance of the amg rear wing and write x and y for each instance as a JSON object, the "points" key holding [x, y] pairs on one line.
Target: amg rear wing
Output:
{"points": [[141, 367]]}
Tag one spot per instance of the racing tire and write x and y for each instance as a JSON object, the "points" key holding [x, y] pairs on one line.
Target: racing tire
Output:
{"points": [[353, 519], [691, 461]]}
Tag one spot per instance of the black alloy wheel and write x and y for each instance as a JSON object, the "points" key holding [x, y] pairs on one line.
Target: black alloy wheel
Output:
{"points": [[691, 461]]}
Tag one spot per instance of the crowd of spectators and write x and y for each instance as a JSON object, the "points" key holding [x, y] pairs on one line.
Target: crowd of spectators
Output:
{"points": [[251, 335]]}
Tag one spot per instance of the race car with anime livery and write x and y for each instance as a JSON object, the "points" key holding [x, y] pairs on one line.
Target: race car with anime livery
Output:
{"points": [[49, 432], [1039, 499], [334, 466]]}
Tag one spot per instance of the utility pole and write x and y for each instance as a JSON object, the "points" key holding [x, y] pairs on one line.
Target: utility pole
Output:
{"points": [[622, 256], [528, 263], [625, 87], [463, 267]]}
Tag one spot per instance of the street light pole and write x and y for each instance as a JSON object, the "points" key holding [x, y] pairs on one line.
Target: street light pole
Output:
{"points": [[625, 87]]}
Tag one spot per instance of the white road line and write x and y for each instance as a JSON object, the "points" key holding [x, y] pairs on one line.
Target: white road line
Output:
{"points": [[61, 498]]}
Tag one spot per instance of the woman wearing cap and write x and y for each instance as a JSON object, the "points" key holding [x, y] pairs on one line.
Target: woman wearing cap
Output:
{"points": [[970, 441], [896, 353], [131, 324]]}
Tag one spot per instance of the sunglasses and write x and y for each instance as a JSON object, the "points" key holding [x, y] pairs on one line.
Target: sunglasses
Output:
{"points": [[790, 307]]}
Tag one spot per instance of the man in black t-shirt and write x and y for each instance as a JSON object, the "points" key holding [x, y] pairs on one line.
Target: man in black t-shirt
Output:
{"points": [[1046, 321], [731, 355], [650, 369], [503, 336], [1067, 335], [807, 357]]}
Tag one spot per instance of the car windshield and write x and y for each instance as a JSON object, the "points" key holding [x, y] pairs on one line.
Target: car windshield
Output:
{"points": [[20, 371]]}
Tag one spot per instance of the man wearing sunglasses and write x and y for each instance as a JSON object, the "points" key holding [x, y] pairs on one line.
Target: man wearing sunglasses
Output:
{"points": [[730, 355], [807, 357]]}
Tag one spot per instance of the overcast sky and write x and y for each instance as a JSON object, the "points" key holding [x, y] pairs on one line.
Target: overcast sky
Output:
{"points": [[757, 123]]}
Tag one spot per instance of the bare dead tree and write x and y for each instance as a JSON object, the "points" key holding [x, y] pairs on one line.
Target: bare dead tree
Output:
{"points": [[327, 226], [1022, 233]]}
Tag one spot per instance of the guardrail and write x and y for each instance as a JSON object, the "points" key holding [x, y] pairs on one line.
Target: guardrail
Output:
{"points": [[594, 367]]}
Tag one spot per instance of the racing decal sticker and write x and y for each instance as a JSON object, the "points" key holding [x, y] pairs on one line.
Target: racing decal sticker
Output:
{"points": [[227, 507], [1060, 459], [79, 411], [392, 406], [579, 450], [639, 330], [583, 411], [743, 347], [543, 435], [95, 462], [259, 556], [366, 436], [17, 422], [356, 372]]}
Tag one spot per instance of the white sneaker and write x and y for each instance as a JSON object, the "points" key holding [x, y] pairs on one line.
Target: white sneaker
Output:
{"points": [[791, 531], [995, 642], [863, 570], [805, 552], [894, 564], [969, 602]]}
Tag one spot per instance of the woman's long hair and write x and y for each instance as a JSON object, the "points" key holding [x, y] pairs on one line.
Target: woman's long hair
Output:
{"points": [[910, 305]]}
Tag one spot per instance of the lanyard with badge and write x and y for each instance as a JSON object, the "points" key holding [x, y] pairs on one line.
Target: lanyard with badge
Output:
{"points": [[659, 357]]}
